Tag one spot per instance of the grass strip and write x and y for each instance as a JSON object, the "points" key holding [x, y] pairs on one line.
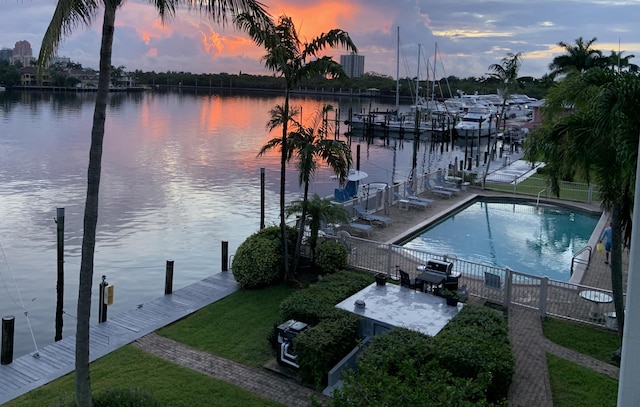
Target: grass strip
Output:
{"points": [[597, 343], [236, 327], [129, 367], [573, 385]]}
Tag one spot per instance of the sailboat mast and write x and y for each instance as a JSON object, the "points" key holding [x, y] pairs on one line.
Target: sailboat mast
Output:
{"points": [[398, 72], [433, 86], [418, 74]]}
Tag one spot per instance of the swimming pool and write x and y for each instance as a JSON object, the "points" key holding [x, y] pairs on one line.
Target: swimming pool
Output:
{"points": [[535, 240]]}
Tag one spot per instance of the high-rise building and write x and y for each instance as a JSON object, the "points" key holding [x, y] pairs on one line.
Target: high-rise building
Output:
{"points": [[353, 65], [22, 52], [5, 54]]}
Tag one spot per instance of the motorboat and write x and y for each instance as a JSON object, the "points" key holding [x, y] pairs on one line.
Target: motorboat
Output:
{"points": [[477, 121]]}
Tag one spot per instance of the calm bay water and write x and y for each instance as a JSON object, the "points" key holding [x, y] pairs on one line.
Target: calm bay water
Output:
{"points": [[180, 175]]}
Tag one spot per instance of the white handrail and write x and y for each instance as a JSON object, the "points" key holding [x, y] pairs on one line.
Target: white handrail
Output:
{"points": [[538, 198]]}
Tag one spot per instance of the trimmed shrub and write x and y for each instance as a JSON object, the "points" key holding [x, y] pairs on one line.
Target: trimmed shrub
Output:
{"points": [[318, 300], [482, 347], [322, 346], [331, 257], [258, 262], [399, 369]]}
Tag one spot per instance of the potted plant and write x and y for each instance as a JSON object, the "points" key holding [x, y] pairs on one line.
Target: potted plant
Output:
{"points": [[381, 279], [452, 297]]}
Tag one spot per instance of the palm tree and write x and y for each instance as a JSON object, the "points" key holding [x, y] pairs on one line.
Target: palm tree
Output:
{"points": [[579, 57], [590, 129], [310, 145], [319, 211], [619, 62], [294, 60], [506, 73], [67, 15]]}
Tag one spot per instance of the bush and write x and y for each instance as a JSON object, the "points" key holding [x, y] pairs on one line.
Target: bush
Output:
{"points": [[482, 347], [399, 369], [322, 346], [318, 300], [331, 257], [258, 262]]}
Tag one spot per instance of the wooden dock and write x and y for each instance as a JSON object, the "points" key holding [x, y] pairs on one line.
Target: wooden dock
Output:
{"points": [[53, 361]]}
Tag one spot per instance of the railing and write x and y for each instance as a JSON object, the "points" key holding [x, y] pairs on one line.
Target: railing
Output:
{"points": [[495, 284], [577, 259], [538, 197], [518, 185]]}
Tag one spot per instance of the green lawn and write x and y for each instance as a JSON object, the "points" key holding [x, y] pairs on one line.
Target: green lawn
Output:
{"points": [[129, 367], [597, 343], [235, 327], [536, 183], [573, 385]]}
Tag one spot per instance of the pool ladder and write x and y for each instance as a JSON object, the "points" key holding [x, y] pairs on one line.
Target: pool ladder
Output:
{"points": [[575, 258]]}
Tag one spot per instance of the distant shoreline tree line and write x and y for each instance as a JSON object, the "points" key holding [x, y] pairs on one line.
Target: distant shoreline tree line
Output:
{"points": [[371, 83]]}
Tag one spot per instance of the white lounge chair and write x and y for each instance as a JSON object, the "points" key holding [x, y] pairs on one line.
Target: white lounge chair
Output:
{"points": [[437, 191], [440, 184], [412, 202], [371, 218], [415, 197]]}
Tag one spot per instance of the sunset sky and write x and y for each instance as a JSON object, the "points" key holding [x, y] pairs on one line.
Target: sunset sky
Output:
{"points": [[470, 34]]}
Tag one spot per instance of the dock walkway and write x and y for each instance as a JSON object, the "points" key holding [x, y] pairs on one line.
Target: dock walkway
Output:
{"points": [[56, 360]]}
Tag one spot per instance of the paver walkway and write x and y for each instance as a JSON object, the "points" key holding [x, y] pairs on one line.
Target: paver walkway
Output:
{"points": [[268, 385]]}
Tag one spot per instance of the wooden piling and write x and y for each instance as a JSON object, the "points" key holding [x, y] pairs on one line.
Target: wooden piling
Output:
{"points": [[8, 329], [225, 255], [60, 273], [168, 278]]}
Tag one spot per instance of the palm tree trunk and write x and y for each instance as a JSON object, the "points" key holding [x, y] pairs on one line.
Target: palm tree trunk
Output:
{"points": [[303, 220], [83, 379], [616, 267], [283, 172]]}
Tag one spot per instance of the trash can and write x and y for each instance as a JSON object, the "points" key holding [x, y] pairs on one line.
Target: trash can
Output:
{"points": [[610, 320]]}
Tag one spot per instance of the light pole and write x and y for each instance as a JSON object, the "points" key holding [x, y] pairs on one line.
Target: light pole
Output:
{"points": [[628, 389]]}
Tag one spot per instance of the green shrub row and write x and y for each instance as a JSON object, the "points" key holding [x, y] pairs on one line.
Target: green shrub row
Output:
{"points": [[318, 301], [470, 363], [333, 332], [322, 346]]}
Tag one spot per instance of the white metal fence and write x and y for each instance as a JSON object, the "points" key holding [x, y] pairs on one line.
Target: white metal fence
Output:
{"points": [[498, 285]]}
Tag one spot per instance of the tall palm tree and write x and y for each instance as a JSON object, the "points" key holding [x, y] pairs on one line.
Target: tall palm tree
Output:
{"points": [[67, 15], [294, 60], [590, 129], [319, 211], [579, 57], [506, 73], [311, 145], [620, 63]]}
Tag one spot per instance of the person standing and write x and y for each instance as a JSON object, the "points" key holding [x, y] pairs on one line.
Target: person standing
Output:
{"points": [[606, 234]]}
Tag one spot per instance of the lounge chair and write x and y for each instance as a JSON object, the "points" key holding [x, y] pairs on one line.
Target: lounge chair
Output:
{"points": [[437, 191], [360, 228], [412, 202], [441, 184], [371, 218], [415, 197]]}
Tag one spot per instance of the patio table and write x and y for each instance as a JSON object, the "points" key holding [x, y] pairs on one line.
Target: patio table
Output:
{"points": [[596, 298]]}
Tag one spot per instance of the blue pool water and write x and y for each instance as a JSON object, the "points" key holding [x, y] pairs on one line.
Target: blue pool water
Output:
{"points": [[539, 241]]}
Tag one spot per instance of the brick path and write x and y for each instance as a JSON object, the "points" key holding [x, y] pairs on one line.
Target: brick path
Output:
{"points": [[268, 385]]}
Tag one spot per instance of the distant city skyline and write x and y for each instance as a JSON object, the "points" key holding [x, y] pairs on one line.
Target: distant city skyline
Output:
{"points": [[470, 36]]}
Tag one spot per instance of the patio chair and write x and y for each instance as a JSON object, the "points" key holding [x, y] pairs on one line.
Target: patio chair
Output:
{"points": [[413, 196], [437, 191], [360, 228], [412, 202], [371, 218], [405, 281], [492, 280]]}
